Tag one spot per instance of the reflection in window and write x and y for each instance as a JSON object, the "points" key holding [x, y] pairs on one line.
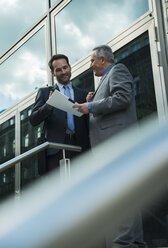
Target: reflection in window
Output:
{"points": [[4, 151], [7, 137], [18, 22], [124, 54], [139, 63], [136, 86], [11, 121], [79, 28], [4, 178], [13, 146], [53, 2], [38, 132], [29, 112], [27, 69], [22, 117], [26, 140], [136, 47], [30, 133], [84, 81]]}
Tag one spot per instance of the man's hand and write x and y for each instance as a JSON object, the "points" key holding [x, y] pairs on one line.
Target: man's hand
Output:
{"points": [[83, 108], [89, 96]]}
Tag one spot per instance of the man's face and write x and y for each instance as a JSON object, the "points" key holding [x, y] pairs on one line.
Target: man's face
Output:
{"points": [[62, 71], [97, 65]]}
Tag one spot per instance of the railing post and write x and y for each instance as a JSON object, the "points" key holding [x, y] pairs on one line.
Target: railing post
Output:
{"points": [[65, 167], [16, 161]]}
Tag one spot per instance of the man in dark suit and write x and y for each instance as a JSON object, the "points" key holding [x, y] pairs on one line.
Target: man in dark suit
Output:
{"points": [[112, 109], [59, 126]]}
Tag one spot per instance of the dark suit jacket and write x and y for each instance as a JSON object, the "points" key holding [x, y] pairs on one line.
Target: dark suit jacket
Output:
{"points": [[55, 120]]}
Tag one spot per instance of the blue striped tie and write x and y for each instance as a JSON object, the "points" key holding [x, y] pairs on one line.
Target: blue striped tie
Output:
{"points": [[70, 117]]}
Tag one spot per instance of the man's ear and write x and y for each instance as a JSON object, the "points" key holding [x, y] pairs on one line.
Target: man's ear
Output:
{"points": [[103, 60], [52, 72]]}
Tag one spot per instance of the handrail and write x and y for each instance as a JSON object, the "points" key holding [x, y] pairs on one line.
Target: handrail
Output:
{"points": [[35, 150], [129, 168]]}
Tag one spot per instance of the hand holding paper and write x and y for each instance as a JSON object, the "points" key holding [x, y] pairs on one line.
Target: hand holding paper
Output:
{"points": [[60, 101], [82, 108]]}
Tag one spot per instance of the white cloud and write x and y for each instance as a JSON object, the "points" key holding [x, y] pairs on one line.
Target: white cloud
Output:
{"points": [[8, 2], [17, 16], [5, 5], [26, 73], [78, 33], [73, 31], [81, 26]]}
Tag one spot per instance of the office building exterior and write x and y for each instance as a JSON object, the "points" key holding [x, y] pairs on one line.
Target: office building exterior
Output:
{"points": [[136, 30]]}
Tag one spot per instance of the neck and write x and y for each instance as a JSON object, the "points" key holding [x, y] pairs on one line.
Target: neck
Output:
{"points": [[107, 65], [64, 83]]}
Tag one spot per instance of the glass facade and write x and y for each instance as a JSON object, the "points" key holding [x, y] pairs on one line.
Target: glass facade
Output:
{"points": [[53, 2], [79, 28], [29, 136], [136, 56], [85, 80], [15, 22], [155, 222], [24, 71], [7, 152]]}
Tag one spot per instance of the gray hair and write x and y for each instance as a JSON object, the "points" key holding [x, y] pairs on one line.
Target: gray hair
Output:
{"points": [[104, 51]]}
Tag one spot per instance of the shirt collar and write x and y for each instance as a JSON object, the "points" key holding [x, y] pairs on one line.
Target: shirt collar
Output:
{"points": [[107, 69], [60, 86]]}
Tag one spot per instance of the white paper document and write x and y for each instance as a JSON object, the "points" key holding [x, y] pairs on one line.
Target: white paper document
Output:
{"points": [[60, 101]]}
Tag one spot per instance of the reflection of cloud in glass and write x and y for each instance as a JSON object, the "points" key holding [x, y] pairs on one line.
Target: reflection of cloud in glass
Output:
{"points": [[6, 4], [16, 17], [85, 24], [73, 31], [23, 71]]}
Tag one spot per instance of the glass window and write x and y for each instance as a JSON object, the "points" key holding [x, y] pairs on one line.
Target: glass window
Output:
{"points": [[136, 56], [29, 136], [7, 141], [24, 71], [53, 2], [139, 63], [85, 81], [155, 222], [82, 25], [17, 17]]}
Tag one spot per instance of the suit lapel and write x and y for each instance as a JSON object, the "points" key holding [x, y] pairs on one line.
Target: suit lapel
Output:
{"points": [[55, 87], [76, 99], [101, 81], [76, 95]]}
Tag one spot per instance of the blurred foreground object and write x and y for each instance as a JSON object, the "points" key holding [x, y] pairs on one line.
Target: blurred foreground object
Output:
{"points": [[103, 185]]}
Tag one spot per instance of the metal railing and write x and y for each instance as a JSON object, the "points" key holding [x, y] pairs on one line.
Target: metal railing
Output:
{"points": [[106, 187], [65, 163]]}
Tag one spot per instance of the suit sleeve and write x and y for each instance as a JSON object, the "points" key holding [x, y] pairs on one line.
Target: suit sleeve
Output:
{"points": [[120, 87], [40, 111]]}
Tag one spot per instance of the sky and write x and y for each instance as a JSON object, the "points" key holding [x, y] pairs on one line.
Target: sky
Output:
{"points": [[79, 27], [92, 22]]}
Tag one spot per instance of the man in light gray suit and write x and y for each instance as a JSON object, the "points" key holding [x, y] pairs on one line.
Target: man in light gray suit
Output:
{"points": [[112, 109]]}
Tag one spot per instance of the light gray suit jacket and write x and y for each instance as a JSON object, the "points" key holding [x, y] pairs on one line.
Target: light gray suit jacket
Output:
{"points": [[113, 104]]}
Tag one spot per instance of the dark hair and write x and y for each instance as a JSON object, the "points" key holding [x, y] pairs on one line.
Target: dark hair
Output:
{"points": [[105, 51], [55, 57]]}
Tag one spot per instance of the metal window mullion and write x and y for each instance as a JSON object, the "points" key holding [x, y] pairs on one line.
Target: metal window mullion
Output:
{"points": [[49, 42], [163, 53], [157, 78], [17, 152]]}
